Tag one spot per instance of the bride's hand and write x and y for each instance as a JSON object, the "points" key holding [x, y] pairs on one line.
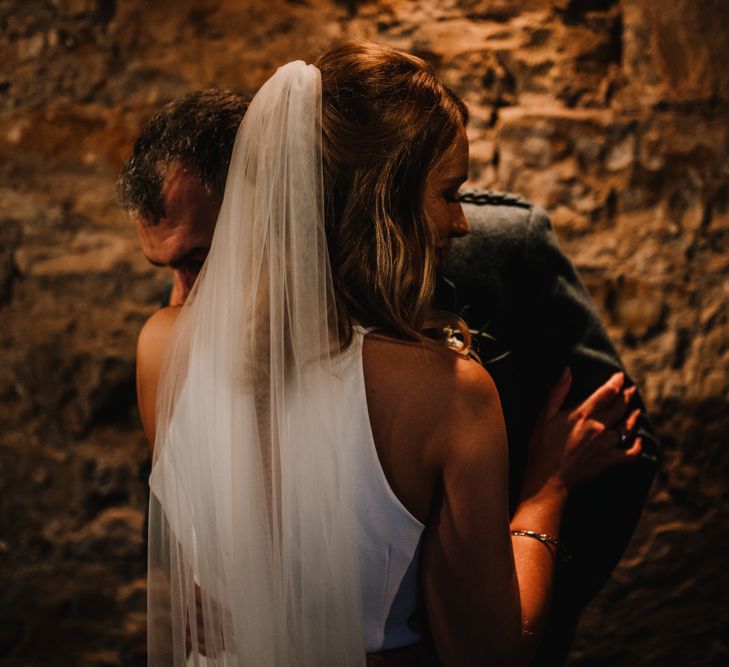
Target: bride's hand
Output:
{"points": [[570, 447], [201, 646]]}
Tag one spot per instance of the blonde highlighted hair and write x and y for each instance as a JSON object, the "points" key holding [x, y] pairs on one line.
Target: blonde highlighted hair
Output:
{"points": [[386, 120]]}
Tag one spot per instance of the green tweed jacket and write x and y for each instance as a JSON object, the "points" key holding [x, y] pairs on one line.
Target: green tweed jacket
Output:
{"points": [[509, 277]]}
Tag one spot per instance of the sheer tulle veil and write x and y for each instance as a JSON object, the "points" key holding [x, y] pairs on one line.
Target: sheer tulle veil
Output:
{"points": [[252, 537]]}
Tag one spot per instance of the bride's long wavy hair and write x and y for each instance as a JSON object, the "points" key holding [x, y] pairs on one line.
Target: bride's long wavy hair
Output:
{"points": [[386, 120]]}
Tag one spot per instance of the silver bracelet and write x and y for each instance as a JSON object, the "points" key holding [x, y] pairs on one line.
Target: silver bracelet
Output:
{"points": [[544, 538]]}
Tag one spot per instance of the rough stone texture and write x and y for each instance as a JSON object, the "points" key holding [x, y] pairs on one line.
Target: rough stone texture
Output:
{"points": [[612, 115]]}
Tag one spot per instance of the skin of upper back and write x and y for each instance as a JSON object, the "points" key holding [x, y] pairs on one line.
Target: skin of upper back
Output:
{"points": [[411, 389]]}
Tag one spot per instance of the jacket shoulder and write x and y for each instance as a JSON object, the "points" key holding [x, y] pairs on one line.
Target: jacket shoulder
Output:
{"points": [[503, 216], [487, 197], [502, 226]]}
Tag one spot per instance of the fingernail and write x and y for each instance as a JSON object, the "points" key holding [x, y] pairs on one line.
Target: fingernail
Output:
{"points": [[618, 378]]}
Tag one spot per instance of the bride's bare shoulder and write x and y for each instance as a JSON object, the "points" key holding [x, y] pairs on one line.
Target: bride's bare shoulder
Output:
{"points": [[156, 329], [428, 404], [152, 343], [151, 346], [433, 369]]}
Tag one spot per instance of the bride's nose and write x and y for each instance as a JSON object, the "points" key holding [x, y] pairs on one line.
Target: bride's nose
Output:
{"points": [[459, 223]]}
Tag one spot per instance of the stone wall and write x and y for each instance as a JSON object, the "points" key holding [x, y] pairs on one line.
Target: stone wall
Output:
{"points": [[613, 115]]}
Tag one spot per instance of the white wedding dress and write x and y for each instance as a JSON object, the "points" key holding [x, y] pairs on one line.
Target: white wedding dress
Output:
{"points": [[389, 535]]}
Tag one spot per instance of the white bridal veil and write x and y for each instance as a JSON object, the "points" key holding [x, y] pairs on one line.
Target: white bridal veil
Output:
{"points": [[252, 538]]}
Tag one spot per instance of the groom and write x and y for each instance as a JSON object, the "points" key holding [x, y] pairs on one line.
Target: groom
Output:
{"points": [[507, 278]]}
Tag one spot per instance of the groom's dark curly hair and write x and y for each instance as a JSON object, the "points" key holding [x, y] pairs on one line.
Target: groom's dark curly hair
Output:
{"points": [[198, 131]]}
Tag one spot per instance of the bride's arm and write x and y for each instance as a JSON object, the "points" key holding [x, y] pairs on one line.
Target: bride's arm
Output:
{"points": [[487, 593], [468, 570], [151, 346]]}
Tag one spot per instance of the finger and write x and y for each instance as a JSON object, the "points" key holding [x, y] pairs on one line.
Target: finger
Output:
{"points": [[615, 412], [628, 455], [632, 420], [605, 439], [626, 431], [199, 634], [558, 394], [619, 435], [199, 639], [635, 450], [200, 622], [615, 416], [604, 396]]}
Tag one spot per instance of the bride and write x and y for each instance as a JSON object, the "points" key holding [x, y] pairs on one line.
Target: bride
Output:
{"points": [[326, 450]]}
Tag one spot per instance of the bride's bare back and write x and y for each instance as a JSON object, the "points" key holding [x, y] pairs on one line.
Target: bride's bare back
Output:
{"points": [[413, 391], [440, 437]]}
